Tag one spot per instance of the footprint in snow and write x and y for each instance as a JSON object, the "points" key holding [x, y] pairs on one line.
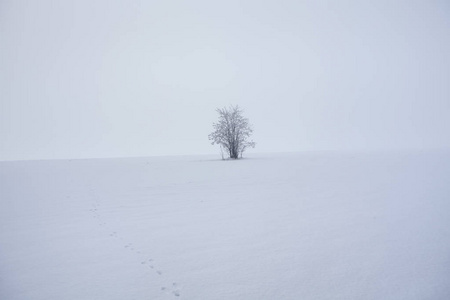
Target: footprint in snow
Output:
{"points": [[174, 290]]}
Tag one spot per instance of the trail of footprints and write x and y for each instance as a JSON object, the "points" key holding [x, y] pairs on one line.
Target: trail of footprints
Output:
{"points": [[173, 289]]}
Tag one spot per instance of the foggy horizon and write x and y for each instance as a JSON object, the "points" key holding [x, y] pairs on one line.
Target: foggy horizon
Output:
{"points": [[84, 79], [123, 125]]}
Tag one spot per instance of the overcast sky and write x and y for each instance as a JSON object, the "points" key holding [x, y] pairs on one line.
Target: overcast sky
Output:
{"points": [[138, 78]]}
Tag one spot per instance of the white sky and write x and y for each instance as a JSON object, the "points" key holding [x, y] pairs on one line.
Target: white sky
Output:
{"points": [[126, 78]]}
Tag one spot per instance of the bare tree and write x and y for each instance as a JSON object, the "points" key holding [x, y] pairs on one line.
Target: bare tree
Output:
{"points": [[232, 132]]}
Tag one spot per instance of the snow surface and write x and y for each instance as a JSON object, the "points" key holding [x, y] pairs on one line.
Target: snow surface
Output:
{"points": [[291, 226]]}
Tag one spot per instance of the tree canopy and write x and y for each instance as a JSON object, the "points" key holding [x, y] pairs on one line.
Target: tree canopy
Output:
{"points": [[232, 131]]}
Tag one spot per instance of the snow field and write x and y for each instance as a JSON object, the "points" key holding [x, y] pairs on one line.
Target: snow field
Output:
{"points": [[282, 226]]}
